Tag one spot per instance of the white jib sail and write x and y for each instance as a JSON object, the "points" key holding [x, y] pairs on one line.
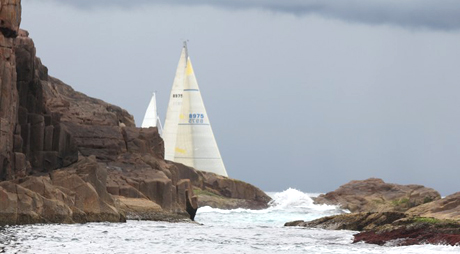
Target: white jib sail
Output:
{"points": [[195, 144], [174, 106], [151, 118]]}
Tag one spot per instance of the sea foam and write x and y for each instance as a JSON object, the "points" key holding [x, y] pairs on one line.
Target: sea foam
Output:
{"points": [[221, 231], [285, 206]]}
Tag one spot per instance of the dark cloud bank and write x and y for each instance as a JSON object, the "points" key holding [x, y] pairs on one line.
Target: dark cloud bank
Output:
{"points": [[432, 14]]}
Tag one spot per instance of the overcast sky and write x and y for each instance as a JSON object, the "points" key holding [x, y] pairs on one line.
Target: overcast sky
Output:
{"points": [[300, 93]]}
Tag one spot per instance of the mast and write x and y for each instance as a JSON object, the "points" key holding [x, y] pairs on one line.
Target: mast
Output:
{"points": [[186, 50]]}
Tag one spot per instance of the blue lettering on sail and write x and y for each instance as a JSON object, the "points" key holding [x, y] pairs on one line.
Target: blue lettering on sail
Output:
{"points": [[196, 118]]}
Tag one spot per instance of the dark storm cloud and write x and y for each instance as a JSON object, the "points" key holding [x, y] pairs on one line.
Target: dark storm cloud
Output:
{"points": [[433, 14]]}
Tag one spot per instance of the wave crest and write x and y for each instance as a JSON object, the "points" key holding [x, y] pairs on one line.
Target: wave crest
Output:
{"points": [[291, 198]]}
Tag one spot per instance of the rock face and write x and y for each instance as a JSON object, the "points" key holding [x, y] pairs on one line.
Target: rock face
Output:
{"points": [[10, 18], [46, 142], [66, 157], [374, 195], [71, 195], [32, 139], [75, 107]]}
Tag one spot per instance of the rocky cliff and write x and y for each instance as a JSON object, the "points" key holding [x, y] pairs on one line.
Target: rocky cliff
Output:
{"points": [[66, 157], [10, 18]]}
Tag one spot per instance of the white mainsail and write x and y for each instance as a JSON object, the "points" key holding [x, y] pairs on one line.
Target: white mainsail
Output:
{"points": [[174, 107], [151, 118], [190, 137]]}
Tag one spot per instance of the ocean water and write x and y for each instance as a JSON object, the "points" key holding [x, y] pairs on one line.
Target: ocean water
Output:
{"points": [[220, 231]]}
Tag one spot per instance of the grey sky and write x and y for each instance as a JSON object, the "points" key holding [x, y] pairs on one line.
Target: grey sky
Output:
{"points": [[301, 101], [409, 13]]}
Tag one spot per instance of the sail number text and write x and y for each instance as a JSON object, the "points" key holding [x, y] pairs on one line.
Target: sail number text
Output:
{"points": [[178, 95], [195, 118]]}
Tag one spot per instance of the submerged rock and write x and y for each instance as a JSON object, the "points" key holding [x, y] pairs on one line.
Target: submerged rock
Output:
{"points": [[374, 195]]}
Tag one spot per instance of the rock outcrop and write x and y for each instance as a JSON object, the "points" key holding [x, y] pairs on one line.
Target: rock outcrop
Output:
{"points": [[66, 157], [71, 195], [350, 221], [78, 108], [390, 228], [225, 193], [413, 230], [445, 208], [374, 195], [134, 157], [391, 213]]}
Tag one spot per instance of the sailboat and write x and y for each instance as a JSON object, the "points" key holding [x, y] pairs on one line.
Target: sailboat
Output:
{"points": [[187, 132], [151, 118]]}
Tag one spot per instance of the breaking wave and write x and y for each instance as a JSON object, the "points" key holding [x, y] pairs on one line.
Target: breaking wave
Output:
{"points": [[285, 206], [290, 198]]}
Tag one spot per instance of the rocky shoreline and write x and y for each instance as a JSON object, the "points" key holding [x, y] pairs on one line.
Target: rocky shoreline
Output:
{"points": [[69, 158], [391, 214]]}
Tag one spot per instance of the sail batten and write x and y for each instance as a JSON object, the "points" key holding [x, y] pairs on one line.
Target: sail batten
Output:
{"points": [[188, 135]]}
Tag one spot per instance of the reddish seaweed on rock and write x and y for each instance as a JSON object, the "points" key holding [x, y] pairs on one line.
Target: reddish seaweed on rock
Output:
{"points": [[392, 214], [415, 230]]}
